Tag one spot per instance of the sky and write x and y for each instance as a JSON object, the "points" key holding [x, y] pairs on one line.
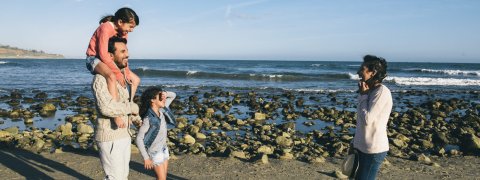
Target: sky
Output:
{"points": [[340, 30]]}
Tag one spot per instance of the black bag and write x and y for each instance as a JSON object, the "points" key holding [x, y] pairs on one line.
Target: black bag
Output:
{"points": [[169, 117]]}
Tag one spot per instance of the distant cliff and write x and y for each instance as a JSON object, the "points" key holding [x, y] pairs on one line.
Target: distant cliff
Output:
{"points": [[17, 53]]}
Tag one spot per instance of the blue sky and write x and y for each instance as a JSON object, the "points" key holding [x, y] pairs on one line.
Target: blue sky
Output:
{"points": [[407, 30]]}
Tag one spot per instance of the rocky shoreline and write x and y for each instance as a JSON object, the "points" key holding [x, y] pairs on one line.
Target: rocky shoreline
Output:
{"points": [[261, 127]]}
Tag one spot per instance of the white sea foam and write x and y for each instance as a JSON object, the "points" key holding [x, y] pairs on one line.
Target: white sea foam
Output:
{"points": [[317, 65], [143, 68], [424, 81], [353, 76], [191, 72], [3, 62], [354, 65], [452, 72], [320, 90]]}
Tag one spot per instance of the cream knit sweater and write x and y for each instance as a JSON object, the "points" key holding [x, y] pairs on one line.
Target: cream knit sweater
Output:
{"points": [[373, 112], [105, 127]]}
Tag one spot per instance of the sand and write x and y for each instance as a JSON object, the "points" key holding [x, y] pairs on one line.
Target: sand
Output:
{"points": [[75, 164]]}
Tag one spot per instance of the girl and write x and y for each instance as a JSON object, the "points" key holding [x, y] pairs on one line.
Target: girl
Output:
{"points": [[374, 108], [98, 59], [152, 135]]}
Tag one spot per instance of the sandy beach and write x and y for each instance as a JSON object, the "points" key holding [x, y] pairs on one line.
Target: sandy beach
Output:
{"points": [[23, 164]]}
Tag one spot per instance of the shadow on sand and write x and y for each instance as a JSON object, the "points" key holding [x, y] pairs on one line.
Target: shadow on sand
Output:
{"points": [[26, 163]]}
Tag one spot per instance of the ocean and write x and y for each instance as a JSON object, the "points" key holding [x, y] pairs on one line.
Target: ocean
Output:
{"points": [[421, 81], [72, 75]]}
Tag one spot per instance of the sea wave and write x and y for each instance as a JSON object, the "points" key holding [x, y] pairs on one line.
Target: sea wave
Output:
{"points": [[287, 76], [3, 62], [450, 71], [425, 81], [317, 65]]}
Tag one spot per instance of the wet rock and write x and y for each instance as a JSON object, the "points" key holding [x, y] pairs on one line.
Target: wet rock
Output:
{"points": [[209, 113], [66, 129], [283, 141], [4, 134], [265, 150], [12, 130], [187, 139], [41, 95], [200, 136], [259, 116], [289, 126], [14, 115], [38, 143], [28, 120], [84, 128], [15, 95], [316, 160]]}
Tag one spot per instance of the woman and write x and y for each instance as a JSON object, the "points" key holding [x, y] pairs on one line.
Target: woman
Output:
{"points": [[374, 107]]}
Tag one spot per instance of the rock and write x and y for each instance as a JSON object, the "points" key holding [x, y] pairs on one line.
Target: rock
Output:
{"points": [[39, 143], [286, 156], [4, 134], [134, 149], [339, 175], [435, 164], [240, 122], [259, 116], [209, 113], [48, 107], [472, 142], [283, 141], [193, 129], [263, 159], [14, 115], [84, 129], [265, 150], [426, 144], [423, 158], [187, 139], [66, 129], [83, 138], [58, 150], [316, 160], [12, 130], [399, 143], [289, 126], [238, 154], [28, 120], [200, 136]]}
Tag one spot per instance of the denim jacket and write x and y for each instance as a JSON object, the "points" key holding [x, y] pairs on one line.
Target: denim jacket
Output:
{"points": [[152, 135]]}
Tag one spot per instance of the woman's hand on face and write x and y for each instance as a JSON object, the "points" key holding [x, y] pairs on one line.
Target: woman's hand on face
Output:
{"points": [[363, 87], [148, 164]]}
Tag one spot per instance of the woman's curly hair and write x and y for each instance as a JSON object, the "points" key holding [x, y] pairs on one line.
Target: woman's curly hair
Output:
{"points": [[376, 64]]}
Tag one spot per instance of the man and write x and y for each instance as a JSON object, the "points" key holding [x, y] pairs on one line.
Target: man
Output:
{"points": [[112, 134]]}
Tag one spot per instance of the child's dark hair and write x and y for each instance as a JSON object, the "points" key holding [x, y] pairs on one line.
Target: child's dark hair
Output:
{"points": [[112, 41], [378, 64], [148, 95], [125, 14]]}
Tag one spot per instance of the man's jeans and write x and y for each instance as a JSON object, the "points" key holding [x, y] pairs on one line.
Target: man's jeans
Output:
{"points": [[369, 165], [115, 157]]}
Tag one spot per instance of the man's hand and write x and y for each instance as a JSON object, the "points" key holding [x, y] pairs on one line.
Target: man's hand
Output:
{"points": [[119, 122], [148, 164]]}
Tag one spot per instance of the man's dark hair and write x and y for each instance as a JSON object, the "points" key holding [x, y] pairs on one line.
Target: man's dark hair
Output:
{"points": [[112, 41]]}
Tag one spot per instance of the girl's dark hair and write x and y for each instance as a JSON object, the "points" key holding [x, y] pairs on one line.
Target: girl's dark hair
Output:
{"points": [[125, 14], [148, 95], [378, 64]]}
